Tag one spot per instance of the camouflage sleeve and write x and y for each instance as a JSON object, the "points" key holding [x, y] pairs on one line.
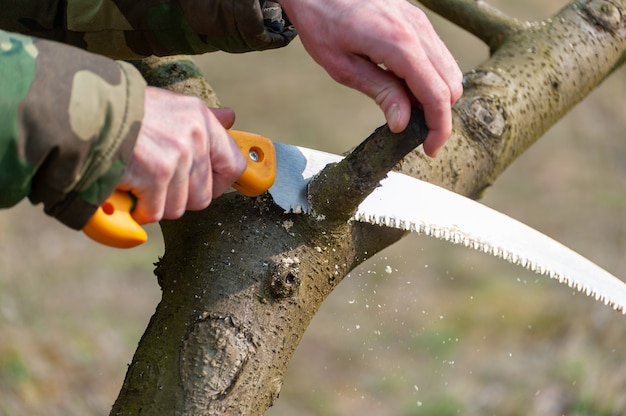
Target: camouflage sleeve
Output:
{"points": [[68, 123], [131, 29]]}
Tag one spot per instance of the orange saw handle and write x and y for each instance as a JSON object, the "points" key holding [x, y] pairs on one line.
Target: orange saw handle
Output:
{"points": [[113, 224], [260, 156]]}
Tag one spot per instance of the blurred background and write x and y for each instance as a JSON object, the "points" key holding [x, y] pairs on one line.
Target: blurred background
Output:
{"points": [[424, 328]]}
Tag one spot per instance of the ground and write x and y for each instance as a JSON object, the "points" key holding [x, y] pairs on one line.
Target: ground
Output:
{"points": [[425, 328]]}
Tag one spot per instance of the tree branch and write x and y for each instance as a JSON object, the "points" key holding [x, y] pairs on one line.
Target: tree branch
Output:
{"points": [[532, 80], [479, 18], [242, 280], [350, 181]]}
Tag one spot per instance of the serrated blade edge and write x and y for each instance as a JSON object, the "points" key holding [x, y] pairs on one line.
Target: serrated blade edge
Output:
{"points": [[409, 204]]}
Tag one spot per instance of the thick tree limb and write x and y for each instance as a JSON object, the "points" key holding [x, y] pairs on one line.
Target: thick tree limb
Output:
{"points": [[527, 85], [242, 280]]}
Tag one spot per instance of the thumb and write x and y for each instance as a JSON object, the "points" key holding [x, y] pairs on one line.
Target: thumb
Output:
{"points": [[225, 115]]}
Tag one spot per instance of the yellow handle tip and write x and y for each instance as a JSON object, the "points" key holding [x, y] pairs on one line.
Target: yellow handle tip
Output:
{"points": [[113, 225]]}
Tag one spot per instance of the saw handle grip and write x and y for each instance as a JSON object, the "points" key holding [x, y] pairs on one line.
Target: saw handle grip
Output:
{"points": [[260, 157], [114, 225]]}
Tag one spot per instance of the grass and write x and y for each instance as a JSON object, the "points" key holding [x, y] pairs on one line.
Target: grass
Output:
{"points": [[425, 328]]}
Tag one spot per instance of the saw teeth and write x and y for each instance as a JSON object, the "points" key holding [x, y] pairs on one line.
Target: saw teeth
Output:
{"points": [[459, 238], [296, 210]]}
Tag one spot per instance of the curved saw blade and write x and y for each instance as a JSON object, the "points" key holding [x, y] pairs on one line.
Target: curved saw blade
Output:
{"points": [[410, 204]]}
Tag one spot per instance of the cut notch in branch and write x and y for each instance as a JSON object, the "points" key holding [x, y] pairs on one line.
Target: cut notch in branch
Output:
{"points": [[349, 182]]}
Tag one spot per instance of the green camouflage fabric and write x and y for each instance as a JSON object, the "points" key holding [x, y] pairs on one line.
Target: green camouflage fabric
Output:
{"points": [[68, 123], [131, 29], [69, 118]]}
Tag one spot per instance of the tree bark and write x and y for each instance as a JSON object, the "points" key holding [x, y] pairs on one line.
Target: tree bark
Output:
{"points": [[242, 280]]}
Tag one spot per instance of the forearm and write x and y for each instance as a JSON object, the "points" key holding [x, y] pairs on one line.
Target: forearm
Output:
{"points": [[130, 29], [68, 122]]}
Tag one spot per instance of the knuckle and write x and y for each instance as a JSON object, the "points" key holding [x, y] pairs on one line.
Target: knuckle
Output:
{"points": [[457, 89], [341, 74], [164, 169], [230, 172], [148, 216], [200, 202], [200, 192], [385, 95], [438, 99], [174, 212], [442, 94]]}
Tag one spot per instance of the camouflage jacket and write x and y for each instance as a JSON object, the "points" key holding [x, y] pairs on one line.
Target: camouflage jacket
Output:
{"points": [[69, 116]]}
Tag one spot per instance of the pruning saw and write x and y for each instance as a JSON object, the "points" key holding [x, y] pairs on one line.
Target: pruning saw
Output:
{"points": [[285, 171]]}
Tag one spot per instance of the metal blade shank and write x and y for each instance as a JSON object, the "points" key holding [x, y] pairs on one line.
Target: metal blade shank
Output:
{"points": [[409, 204], [295, 167]]}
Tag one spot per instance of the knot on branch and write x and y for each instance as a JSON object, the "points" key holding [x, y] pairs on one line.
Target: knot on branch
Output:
{"points": [[604, 14], [486, 120], [489, 116], [213, 356], [284, 281]]}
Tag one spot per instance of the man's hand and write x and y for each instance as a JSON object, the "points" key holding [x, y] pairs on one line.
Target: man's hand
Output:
{"points": [[183, 157], [388, 50]]}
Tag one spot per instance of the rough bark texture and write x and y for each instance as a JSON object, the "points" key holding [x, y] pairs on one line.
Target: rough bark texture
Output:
{"points": [[339, 188], [242, 280]]}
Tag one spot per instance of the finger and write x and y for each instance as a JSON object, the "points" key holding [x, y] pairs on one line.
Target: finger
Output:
{"points": [[215, 170], [434, 96], [225, 115], [434, 79], [390, 93], [149, 202], [200, 182], [432, 53], [200, 188], [150, 199], [149, 207], [431, 91], [386, 89], [447, 67], [177, 195], [441, 118], [227, 163]]}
